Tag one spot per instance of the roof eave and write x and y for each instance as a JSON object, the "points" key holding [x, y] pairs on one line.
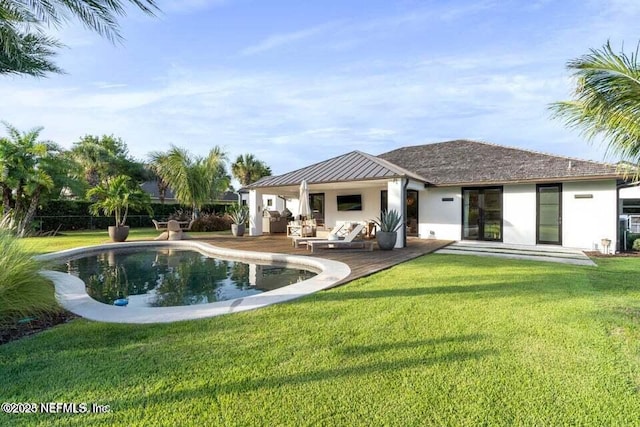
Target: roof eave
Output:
{"points": [[529, 181], [384, 178]]}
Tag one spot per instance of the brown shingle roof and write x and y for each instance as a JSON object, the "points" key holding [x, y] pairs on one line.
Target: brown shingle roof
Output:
{"points": [[470, 162], [353, 166]]}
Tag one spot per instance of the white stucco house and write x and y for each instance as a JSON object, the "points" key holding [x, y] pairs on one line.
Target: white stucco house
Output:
{"points": [[461, 190]]}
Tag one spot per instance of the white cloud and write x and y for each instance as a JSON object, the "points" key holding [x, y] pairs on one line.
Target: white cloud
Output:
{"points": [[279, 40], [291, 118]]}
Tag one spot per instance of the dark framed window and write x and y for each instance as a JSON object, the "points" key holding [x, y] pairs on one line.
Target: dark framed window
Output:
{"points": [[549, 214]]}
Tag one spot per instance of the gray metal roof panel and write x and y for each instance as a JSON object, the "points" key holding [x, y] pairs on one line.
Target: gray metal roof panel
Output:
{"points": [[353, 166]]}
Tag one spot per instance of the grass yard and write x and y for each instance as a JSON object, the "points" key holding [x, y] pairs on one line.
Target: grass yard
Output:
{"points": [[441, 340], [74, 239]]}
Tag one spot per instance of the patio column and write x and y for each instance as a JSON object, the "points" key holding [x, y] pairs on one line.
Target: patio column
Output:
{"points": [[255, 213], [396, 195]]}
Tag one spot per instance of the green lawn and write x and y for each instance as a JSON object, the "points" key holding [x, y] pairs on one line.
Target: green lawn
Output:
{"points": [[441, 340], [74, 239]]}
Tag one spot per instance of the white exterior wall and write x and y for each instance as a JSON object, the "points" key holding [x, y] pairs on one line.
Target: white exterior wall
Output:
{"points": [[586, 221], [255, 213], [395, 200], [519, 214], [440, 219], [370, 206], [630, 192], [277, 204]]}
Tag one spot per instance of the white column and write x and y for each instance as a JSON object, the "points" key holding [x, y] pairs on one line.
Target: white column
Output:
{"points": [[255, 213], [395, 201]]}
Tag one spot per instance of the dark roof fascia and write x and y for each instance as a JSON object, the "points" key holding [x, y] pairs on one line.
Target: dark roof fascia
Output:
{"points": [[387, 178], [528, 181]]}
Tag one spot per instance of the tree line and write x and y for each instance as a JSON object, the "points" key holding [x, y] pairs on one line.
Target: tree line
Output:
{"points": [[33, 171]]}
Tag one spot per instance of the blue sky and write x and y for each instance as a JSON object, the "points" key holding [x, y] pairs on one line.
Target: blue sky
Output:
{"points": [[296, 82]]}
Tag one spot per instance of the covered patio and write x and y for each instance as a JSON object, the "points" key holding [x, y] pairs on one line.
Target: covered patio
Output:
{"points": [[352, 188]]}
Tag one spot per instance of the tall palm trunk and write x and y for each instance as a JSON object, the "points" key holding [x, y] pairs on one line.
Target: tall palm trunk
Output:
{"points": [[6, 198], [19, 198], [23, 226]]}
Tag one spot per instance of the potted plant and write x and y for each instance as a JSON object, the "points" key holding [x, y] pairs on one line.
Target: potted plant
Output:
{"points": [[239, 216], [115, 197], [388, 225]]}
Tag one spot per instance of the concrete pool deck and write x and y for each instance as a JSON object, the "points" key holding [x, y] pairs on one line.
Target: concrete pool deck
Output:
{"points": [[72, 295]]}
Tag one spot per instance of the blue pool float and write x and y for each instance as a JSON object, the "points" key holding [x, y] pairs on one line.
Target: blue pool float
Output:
{"points": [[121, 302]]}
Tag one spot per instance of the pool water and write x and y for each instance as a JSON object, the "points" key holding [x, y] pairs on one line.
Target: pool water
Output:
{"points": [[170, 277]]}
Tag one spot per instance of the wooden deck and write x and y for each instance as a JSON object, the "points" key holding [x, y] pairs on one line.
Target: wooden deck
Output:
{"points": [[362, 263]]}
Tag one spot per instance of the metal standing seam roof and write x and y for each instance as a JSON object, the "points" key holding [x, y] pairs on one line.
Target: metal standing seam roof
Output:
{"points": [[353, 166]]}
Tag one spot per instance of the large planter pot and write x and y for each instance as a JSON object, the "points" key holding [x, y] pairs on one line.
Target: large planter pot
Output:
{"points": [[237, 230], [386, 239], [119, 233]]}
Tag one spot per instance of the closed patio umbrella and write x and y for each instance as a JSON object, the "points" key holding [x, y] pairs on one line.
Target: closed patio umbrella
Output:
{"points": [[305, 208]]}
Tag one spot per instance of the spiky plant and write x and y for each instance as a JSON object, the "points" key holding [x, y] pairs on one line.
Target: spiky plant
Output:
{"points": [[23, 290], [389, 221], [239, 214]]}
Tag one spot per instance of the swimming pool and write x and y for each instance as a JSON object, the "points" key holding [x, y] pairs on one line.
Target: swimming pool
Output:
{"points": [[71, 291], [168, 277]]}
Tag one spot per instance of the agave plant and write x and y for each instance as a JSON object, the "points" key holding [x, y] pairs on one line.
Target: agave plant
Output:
{"points": [[389, 221], [239, 214]]}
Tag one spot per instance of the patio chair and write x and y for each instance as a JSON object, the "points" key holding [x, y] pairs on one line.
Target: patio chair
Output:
{"points": [[174, 231], [160, 225], [297, 241], [348, 242]]}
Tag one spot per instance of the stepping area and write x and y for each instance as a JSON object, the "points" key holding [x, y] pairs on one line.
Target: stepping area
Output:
{"points": [[534, 253]]}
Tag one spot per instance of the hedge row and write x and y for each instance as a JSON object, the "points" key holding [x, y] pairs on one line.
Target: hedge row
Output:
{"points": [[74, 215]]}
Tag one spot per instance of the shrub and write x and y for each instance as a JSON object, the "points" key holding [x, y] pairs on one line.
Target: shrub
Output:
{"points": [[631, 238], [181, 215], [212, 222], [636, 245], [23, 290]]}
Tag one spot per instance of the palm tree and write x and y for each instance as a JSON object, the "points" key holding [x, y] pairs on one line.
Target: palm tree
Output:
{"points": [[194, 180], [30, 168], [25, 49], [606, 100], [116, 196], [247, 169], [105, 157]]}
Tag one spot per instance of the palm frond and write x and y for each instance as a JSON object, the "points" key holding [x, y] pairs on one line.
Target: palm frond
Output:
{"points": [[606, 100]]}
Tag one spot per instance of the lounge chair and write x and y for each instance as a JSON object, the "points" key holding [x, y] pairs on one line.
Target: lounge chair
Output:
{"points": [[348, 242], [163, 225], [297, 241], [175, 230]]}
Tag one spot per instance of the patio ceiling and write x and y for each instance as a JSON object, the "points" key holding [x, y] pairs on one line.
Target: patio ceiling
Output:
{"points": [[294, 190]]}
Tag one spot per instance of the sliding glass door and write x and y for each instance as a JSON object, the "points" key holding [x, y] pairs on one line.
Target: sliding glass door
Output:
{"points": [[482, 213]]}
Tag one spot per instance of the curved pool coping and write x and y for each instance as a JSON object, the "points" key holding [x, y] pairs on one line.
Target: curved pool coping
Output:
{"points": [[72, 295]]}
